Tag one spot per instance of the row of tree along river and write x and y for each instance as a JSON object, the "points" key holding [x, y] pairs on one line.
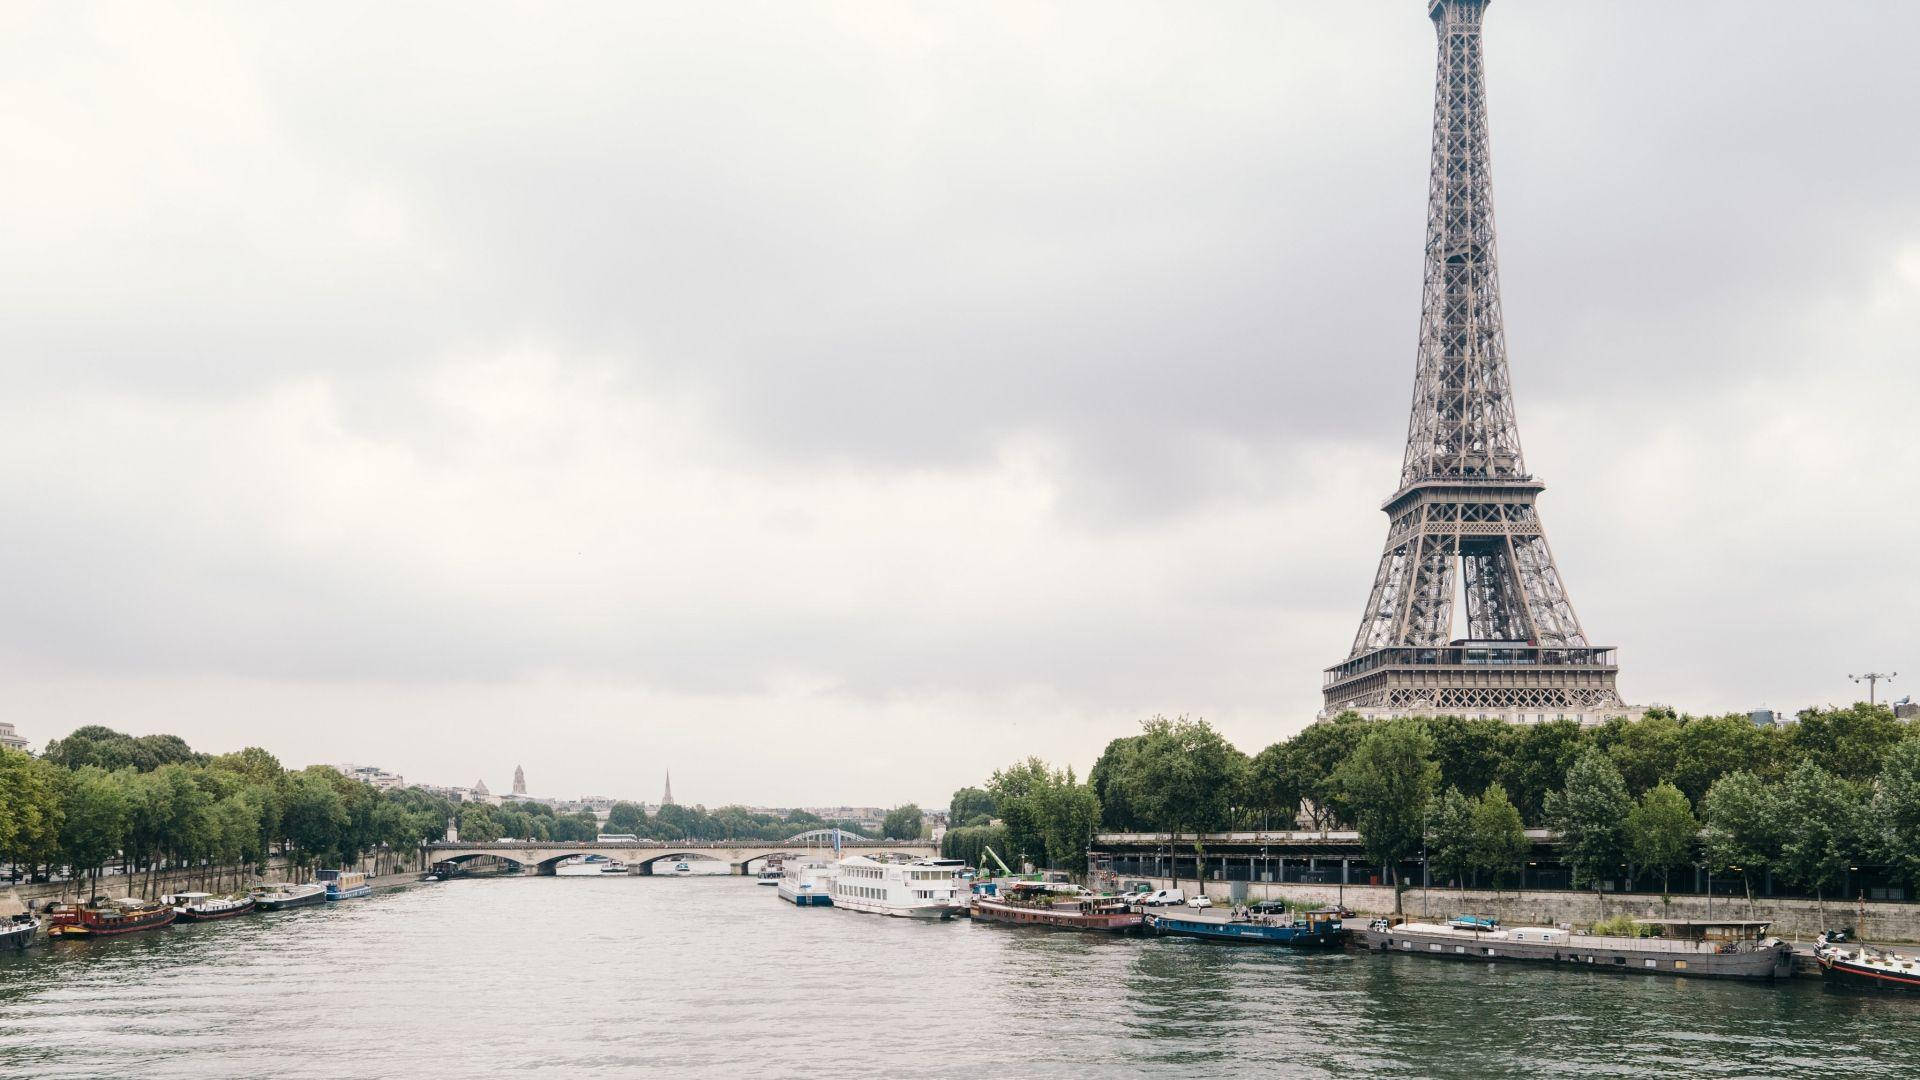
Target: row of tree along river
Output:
{"points": [[1826, 804]]}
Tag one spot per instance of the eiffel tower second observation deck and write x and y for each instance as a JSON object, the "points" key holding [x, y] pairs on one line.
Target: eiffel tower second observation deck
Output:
{"points": [[1466, 499]]}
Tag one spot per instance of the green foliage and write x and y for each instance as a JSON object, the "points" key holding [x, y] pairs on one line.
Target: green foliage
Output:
{"points": [[30, 807], [1049, 818], [1538, 760], [1892, 825], [901, 823], [1386, 786], [1450, 834], [1644, 752], [969, 843], [1711, 747], [1849, 743], [1271, 789], [1821, 819], [969, 806], [111, 751], [1591, 815], [1743, 825], [1182, 775], [1621, 926], [625, 817], [1314, 756], [1108, 779], [93, 817], [1661, 831], [1470, 753], [1500, 844]]}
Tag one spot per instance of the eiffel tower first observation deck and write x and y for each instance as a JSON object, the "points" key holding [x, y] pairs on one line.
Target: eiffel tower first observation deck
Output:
{"points": [[1466, 499]]}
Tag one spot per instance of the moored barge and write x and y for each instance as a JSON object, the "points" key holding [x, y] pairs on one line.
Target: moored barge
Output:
{"points": [[1730, 949], [343, 884], [1312, 929], [280, 896], [1865, 966], [205, 907], [1034, 904], [109, 918]]}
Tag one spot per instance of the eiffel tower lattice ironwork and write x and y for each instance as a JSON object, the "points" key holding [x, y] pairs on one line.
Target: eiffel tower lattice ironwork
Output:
{"points": [[1466, 499]]}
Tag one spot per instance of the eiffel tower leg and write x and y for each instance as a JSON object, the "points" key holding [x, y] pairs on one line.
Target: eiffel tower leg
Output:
{"points": [[1495, 611], [1548, 608], [1428, 619], [1390, 585]]}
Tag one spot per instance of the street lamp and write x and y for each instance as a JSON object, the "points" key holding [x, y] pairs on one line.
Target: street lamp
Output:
{"points": [[1873, 679]]}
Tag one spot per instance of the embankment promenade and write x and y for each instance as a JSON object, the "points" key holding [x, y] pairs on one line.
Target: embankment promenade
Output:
{"points": [[1793, 920]]}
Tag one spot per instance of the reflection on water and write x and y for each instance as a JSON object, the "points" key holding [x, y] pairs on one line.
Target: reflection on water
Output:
{"points": [[609, 976]]}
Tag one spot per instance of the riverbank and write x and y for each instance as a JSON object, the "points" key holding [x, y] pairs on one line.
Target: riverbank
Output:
{"points": [[220, 879], [1793, 920]]}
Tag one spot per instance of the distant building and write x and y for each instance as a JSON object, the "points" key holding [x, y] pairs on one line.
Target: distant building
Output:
{"points": [[1763, 717], [519, 781], [370, 774], [666, 799], [9, 738], [1904, 709]]}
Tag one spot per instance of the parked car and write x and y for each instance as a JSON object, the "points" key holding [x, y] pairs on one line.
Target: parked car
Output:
{"points": [[1164, 897], [1199, 902]]}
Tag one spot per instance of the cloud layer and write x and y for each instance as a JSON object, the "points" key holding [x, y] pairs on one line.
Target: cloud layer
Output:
{"points": [[834, 402]]}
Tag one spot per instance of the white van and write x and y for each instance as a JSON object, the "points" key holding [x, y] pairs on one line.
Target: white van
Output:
{"points": [[1165, 897]]}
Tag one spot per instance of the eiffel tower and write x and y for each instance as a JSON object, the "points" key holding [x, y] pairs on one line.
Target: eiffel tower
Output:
{"points": [[1466, 498]]}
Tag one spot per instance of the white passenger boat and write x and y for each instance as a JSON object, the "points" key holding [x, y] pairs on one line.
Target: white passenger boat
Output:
{"points": [[915, 889], [807, 882]]}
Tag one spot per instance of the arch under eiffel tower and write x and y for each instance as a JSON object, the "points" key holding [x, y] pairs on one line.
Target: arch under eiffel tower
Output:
{"points": [[1466, 499]]}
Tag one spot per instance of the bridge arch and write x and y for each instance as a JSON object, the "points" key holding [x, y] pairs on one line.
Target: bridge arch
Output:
{"points": [[650, 864], [824, 837]]}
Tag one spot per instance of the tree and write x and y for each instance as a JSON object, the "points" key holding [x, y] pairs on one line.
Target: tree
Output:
{"points": [[317, 820], [1450, 834], [1819, 827], [1108, 780], [1894, 815], [93, 819], [1500, 844], [1742, 815], [625, 817], [29, 807], [1183, 775], [1661, 830], [1048, 817], [969, 843], [1849, 743], [1313, 757], [1386, 785], [1711, 747], [902, 823], [969, 806], [1470, 753], [1591, 815], [1537, 763], [476, 824], [1643, 750], [1272, 785], [1069, 814]]}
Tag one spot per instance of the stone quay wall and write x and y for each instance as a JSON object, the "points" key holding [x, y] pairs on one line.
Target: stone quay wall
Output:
{"points": [[1793, 920]]}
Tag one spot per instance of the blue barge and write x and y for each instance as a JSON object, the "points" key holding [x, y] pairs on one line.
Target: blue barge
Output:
{"points": [[1311, 930]]}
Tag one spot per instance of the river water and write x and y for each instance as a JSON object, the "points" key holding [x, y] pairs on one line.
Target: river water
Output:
{"points": [[570, 977]]}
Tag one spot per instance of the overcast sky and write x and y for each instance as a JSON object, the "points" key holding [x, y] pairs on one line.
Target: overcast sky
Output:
{"points": [[833, 402]]}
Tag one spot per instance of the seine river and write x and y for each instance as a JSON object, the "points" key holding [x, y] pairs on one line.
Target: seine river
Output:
{"points": [[569, 977]]}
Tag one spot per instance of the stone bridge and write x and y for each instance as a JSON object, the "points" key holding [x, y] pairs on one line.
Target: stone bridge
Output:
{"points": [[641, 855]]}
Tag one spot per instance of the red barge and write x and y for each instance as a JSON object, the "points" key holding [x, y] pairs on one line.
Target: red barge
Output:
{"points": [[107, 918], [1034, 904]]}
